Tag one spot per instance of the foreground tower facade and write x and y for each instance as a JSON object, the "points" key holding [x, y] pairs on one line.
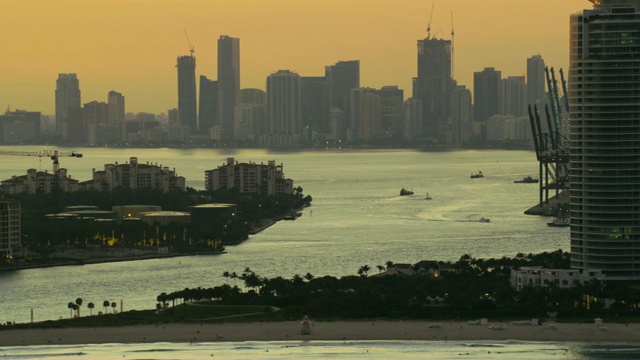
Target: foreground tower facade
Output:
{"points": [[604, 99]]}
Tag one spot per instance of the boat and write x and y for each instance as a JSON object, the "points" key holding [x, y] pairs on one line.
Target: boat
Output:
{"points": [[560, 222], [484, 220], [405, 192], [428, 197], [477, 175], [527, 180]]}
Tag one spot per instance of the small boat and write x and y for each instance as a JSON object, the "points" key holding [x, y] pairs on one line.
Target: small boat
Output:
{"points": [[484, 220], [560, 222], [405, 192], [477, 175], [527, 180], [428, 197]]}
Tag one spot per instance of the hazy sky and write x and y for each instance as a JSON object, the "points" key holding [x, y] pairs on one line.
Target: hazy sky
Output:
{"points": [[131, 46]]}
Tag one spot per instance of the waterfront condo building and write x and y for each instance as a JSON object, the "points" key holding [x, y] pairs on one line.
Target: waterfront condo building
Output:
{"points": [[249, 178], [134, 175], [9, 228], [604, 97]]}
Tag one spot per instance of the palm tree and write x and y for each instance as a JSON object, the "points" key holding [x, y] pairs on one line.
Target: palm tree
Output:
{"points": [[308, 276], [364, 269], [106, 304], [79, 303], [70, 305], [91, 306], [113, 305], [234, 276], [381, 268], [226, 275]]}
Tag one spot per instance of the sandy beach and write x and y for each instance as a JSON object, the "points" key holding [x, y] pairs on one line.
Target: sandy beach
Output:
{"points": [[338, 330]]}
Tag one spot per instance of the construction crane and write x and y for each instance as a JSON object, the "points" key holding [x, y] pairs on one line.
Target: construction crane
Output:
{"points": [[191, 48], [429, 24], [452, 34], [54, 155]]}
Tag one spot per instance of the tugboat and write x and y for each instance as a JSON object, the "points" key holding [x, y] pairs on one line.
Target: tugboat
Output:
{"points": [[527, 180], [428, 197], [477, 175], [484, 220], [405, 192], [560, 222]]}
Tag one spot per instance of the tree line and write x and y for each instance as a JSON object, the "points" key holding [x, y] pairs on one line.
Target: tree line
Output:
{"points": [[476, 288]]}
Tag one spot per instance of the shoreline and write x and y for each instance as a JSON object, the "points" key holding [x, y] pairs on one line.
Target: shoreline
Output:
{"points": [[377, 330]]}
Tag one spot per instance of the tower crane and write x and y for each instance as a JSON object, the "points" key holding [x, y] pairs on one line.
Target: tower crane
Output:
{"points": [[52, 154], [429, 23], [191, 48], [452, 33]]}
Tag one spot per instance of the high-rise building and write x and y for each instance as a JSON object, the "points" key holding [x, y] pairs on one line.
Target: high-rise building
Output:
{"points": [[208, 105], [604, 98], [486, 93], [391, 111], [9, 228], [283, 104], [514, 96], [228, 83], [433, 85], [254, 102], [461, 115], [341, 78], [115, 108], [365, 114], [535, 80], [314, 108], [67, 96], [187, 92]]}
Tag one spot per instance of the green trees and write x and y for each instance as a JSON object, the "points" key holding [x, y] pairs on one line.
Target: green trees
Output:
{"points": [[41, 233]]}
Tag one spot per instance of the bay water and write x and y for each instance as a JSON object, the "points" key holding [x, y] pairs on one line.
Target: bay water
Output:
{"points": [[357, 218]]}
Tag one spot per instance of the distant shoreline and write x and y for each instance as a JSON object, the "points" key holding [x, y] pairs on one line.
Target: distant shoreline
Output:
{"points": [[53, 262]]}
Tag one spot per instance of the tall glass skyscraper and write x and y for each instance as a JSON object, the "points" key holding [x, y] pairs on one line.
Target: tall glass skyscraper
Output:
{"points": [[433, 85], [187, 92], [604, 98], [228, 83], [67, 97]]}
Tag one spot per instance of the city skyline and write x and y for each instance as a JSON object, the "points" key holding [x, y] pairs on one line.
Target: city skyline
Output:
{"points": [[131, 50]]}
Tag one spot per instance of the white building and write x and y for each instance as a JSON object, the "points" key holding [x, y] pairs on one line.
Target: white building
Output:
{"points": [[563, 278], [249, 178]]}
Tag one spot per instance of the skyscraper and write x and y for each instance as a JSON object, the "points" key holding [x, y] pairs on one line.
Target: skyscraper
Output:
{"points": [[486, 93], [433, 85], [514, 96], [604, 97], [228, 83], [341, 78], [208, 104], [187, 92], [283, 104], [115, 108], [313, 98], [67, 96], [535, 80]]}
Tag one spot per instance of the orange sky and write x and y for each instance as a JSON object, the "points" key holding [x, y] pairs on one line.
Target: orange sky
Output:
{"points": [[131, 46]]}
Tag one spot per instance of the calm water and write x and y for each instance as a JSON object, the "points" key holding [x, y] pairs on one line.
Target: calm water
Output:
{"points": [[329, 350], [357, 218]]}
